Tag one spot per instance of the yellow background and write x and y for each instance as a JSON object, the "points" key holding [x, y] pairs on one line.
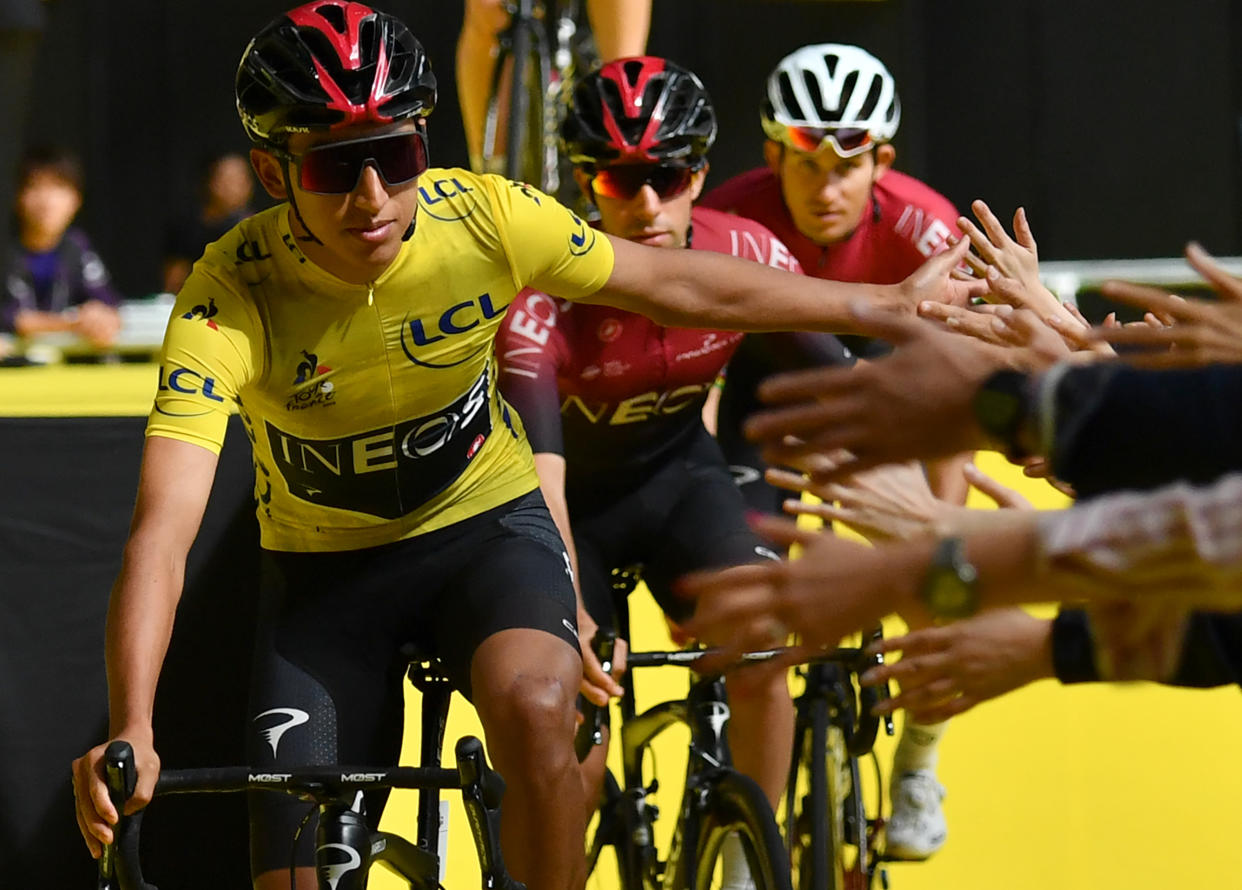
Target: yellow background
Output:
{"points": [[1095, 786]]}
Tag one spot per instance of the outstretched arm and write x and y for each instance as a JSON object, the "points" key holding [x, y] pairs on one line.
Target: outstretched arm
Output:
{"points": [[702, 288], [1140, 561]]}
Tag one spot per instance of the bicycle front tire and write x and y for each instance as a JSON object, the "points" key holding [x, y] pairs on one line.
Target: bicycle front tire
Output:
{"points": [[831, 819], [736, 804]]}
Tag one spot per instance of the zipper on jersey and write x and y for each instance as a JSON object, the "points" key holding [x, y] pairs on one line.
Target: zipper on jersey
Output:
{"points": [[370, 293]]}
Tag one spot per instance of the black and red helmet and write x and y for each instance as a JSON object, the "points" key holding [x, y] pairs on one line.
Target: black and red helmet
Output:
{"points": [[639, 110], [331, 63]]}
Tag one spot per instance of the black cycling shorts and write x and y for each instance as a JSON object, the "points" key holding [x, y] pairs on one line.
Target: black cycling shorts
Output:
{"points": [[685, 516], [328, 674]]}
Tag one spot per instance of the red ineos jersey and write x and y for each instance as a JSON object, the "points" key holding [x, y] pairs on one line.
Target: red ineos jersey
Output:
{"points": [[612, 390], [911, 225]]}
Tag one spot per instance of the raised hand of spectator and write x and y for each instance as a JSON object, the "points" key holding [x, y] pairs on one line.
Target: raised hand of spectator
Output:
{"points": [[1181, 332], [946, 670], [892, 502], [913, 404], [1043, 342], [835, 587], [1010, 265]]}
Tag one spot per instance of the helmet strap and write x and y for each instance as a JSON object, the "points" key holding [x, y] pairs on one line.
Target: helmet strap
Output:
{"points": [[409, 232], [284, 171]]}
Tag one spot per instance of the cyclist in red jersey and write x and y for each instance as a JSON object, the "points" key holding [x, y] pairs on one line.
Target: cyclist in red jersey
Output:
{"points": [[612, 402], [830, 192]]}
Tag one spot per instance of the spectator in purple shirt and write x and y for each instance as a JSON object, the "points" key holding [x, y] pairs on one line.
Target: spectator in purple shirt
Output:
{"points": [[53, 279]]}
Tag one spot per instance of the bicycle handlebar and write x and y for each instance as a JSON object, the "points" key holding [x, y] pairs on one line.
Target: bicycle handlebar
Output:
{"points": [[482, 788], [855, 659]]}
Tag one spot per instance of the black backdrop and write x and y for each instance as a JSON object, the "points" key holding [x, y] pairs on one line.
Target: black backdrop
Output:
{"points": [[66, 493], [1116, 124]]}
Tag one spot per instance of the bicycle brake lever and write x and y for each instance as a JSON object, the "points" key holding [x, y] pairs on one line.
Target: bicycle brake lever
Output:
{"points": [[594, 717], [121, 779], [481, 791]]}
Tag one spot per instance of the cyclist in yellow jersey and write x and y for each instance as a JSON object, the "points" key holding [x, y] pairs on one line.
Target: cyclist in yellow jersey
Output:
{"points": [[352, 327]]}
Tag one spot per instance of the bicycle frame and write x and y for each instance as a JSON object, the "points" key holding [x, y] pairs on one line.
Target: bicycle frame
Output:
{"points": [[706, 713]]}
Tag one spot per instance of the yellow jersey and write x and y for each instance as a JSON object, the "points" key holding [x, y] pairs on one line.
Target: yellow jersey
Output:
{"points": [[372, 409]]}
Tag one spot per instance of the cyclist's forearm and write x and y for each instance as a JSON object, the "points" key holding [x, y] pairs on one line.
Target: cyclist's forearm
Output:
{"points": [[694, 288], [140, 621], [551, 471]]}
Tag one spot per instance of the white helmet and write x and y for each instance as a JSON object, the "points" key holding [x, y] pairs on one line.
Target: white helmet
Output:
{"points": [[831, 87]]}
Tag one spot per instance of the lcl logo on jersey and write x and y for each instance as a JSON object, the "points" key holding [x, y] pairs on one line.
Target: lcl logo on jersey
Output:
{"points": [[583, 238], [447, 199], [188, 382], [420, 336], [250, 252], [207, 312], [319, 392]]}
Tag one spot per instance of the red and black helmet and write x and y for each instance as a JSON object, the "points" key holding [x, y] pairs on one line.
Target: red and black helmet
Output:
{"points": [[331, 63], [639, 110]]}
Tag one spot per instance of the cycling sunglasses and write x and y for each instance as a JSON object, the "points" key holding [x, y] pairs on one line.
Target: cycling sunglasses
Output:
{"points": [[336, 167], [846, 141], [625, 181]]}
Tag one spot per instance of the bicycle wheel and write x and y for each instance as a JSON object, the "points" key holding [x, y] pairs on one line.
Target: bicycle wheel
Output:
{"points": [[827, 824], [736, 805]]}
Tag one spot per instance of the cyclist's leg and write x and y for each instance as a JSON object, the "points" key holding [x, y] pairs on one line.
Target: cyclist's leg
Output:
{"points": [[620, 27], [326, 688], [477, 49], [917, 827], [509, 628]]}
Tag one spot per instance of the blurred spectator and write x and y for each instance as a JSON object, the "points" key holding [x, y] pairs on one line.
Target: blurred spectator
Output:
{"points": [[226, 190], [21, 25], [54, 280]]}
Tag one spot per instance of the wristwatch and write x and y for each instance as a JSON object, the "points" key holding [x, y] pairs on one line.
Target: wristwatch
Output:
{"points": [[950, 587], [1001, 407]]}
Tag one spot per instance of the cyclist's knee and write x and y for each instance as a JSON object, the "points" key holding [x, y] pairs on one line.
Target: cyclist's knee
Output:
{"points": [[531, 717]]}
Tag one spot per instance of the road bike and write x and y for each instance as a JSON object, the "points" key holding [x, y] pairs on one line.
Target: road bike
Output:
{"points": [[830, 832], [545, 46], [717, 801], [346, 846]]}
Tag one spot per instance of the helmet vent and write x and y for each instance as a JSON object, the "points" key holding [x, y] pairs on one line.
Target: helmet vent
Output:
{"points": [[632, 70], [333, 15], [873, 98]]}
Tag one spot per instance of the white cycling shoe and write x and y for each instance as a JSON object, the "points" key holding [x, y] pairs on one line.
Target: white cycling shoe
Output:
{"points": [[917, 827]]}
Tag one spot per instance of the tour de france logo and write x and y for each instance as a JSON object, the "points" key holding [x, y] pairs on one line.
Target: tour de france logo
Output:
{"points": [[311, 388]]}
